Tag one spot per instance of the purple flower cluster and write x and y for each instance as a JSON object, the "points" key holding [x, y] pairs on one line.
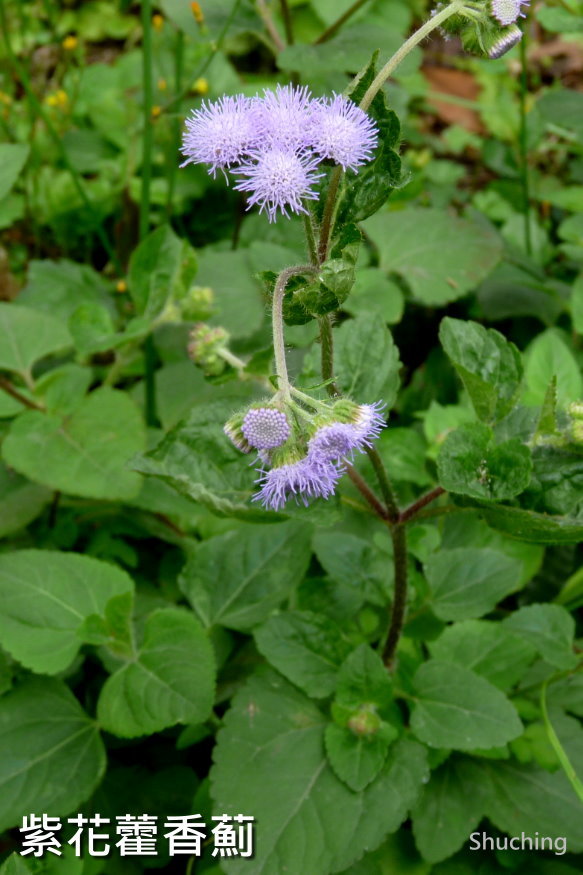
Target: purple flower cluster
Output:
{"points": [[275, 143], [265, 428], [317, 473], [508, 11]]}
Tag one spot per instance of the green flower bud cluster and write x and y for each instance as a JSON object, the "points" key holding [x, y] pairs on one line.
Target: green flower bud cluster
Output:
{"points": [[205, 347]]}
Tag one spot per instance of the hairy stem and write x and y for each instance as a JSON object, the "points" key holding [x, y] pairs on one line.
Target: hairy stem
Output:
{"points": [[287, 22], [333, 29], [311, 238], [367, 492], [265, 15], [277, 322], [523, 146], [386, 487], [327, 345], [414, 40], [411, 512], [399, 538], [328, 216]]}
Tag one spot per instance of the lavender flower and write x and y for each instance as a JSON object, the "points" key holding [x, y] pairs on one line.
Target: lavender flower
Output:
{"points": [[306, 478], [504, 43], [340, 440], [279, 179], [265, 428], [220, 133], [282, 117], [506, 12], [341, 131]]}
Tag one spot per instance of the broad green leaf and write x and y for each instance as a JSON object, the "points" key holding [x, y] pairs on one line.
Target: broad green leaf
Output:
{"points": [[564, 106], [62, 389], [373, 292], [450, 808], [237, 579], [59, 287], [367, 360], [356, 563], [357, 758], [12, 159], [15, 865], [307, 648], [172, 679], [20, 501], [26, 336], [441, 257], [535, 528], [549, 356], [470, 463], [456, 708], [311, 822], [403, 453], [83, 454], [161, 268], [550, 629], [237, 298], [557, 477], [363, 680], [51, 755], [45, 597], [487, 648], [490, 366], [469, 582], [526, 799]]}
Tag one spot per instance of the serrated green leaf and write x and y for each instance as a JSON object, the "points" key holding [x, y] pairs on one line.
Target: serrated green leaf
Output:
{"points": [[363, 679], [456, 708], [488, 648], [367, 360], [83, 454], [12, 159], [26, 336], [450, 808], [45, 597], [356, 563], [171, 681], [237, 299], [535, 528], [549, 356], [57, 288], [470, 463], [489, 365], [162, 267], [441, 257], [550, 629], [51, 755], [237, 579], [307, 648], [273, 729], [468, 582]]}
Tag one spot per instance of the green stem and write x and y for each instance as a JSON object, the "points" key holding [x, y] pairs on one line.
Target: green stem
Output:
{"points": [[327, 354], [148, 134], [399, 538], [328, 215], [11, 390], [366, 492], [523, 146], [311, 237], [284, 277], [385, 484], [414, 40], [333, 29], [22, 75], [176, 127], [411, 512], [287, 22], [564, 760]]}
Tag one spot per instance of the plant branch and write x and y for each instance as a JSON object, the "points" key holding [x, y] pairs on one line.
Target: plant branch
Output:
{"points": [[367, 492], [7, 387], [277, 324], [265, 15], [327, 345], [333, 29], [399, 538], [385, 484], [564, 760], [328, 216], [287, 22], [523, 145], [393, 62], [411, 512]]}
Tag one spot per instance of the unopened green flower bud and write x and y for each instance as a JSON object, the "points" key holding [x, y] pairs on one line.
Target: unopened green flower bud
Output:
{"points": [[197, 303], [365, 721], [233, 428], [205, 347]]}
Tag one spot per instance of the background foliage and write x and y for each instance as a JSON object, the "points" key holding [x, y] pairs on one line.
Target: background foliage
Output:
{"points": [[145, 605]]}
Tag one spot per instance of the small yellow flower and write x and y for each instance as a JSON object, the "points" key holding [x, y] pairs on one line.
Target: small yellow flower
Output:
{"points": [[162, 85], [70, 43], [156, 110], [51, 100], [201, 86], [62, 97], [197, 12], [121, 286], [157, 22]]}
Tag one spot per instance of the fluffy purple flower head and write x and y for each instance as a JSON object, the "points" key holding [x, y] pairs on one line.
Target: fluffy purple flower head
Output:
{"points": [[281, 117], [340, 440], [504, 43], [507, 12], [265, 428], [341, 131], [305, 479], [370, 420], [279, 179], [220, 133]]}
